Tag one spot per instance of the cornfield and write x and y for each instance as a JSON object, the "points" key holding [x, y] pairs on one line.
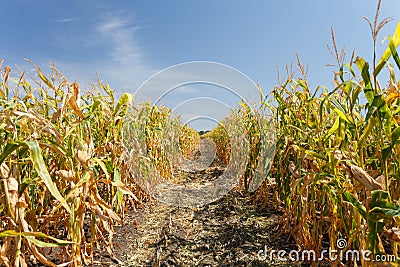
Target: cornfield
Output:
{"points": [[65, 177], [336, 166], [337, 160], [70, 160]]}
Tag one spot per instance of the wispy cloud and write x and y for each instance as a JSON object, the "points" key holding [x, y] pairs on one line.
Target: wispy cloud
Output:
{"points": [[121, 62], [125, 65], [67, 20], [120, 31], [109, 45]]}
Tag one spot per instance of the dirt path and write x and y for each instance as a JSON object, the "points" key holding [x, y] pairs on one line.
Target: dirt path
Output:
{"points": [[228, 232]]}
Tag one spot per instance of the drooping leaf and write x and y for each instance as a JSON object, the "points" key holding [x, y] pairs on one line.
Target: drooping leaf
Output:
{"points": [[387, 150], [388, 52], [366, 132], [124, 100], [334, 128], [10, 147], [41, 168], [31, 236], [342, 115], [395, 55], [377, 102], [350, 198], [364, 69]]}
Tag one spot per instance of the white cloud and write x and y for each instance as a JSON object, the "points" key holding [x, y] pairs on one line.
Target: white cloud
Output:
{"points": [[120, 60], [66, 20], [118, 30]]}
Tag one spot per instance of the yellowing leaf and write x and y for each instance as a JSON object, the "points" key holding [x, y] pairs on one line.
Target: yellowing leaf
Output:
{"points": [[124, 189], [386, 55], [41, 168]]}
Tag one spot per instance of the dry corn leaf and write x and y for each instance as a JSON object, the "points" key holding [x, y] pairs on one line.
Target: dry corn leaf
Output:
{"points": [[393, 234], [381, 180], [293, 171], [364, 178], [7, 71], [64, 174], [124, 189], [83, 156], [74, 100], [4, 171], [74, 106], [12, 184]]}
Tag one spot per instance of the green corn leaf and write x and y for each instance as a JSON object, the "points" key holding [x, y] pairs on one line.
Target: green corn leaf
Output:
{"points": [[387, 151], [342, 115], [124, 100], [109, 91], [41, 168], [396, 111], [374, 228], [390, 212], [9, 233], [10, 147], [260, 92], [392, 73], [354, 97], [378, 196], [117, 180], [366, 132], [353, 73], [395, 135], [364, 69], [381, 213], [310, 152], [42, 244], [379, 201], [395, 55], [31, 236], [42, 235], [334, 128], [388, 52], [95, 105], [103, 167], [350, 198], [377, 102]]}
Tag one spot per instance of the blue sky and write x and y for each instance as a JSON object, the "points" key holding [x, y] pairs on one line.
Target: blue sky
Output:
{"points": [[128, 41]]}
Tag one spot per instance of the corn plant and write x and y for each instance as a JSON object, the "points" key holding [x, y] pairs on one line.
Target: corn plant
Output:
{"points": [[65, 180], [336, 165], [337, 159]]}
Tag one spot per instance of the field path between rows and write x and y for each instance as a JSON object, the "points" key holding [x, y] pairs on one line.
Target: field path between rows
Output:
{"points": [[228, 232]]}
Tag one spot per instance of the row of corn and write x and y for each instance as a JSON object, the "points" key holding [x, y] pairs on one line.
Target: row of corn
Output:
{"points": [[336, 170], [67, 175]]}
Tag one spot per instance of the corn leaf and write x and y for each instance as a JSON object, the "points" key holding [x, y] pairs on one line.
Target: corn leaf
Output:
{"points": [[41, 168], [388, 51], [124, 100], [363, 66], [44, 78], [387, 151], [395, 55], [342, 115], [334, 128], [350, 198], [10, 147], [33, 235]]}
